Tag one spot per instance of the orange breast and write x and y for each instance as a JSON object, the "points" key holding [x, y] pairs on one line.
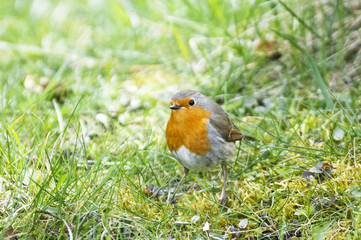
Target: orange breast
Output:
{"points": [[187, 127]]}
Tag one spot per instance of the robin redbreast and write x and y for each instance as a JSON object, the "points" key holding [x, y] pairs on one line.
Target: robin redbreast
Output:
{"points": [[200, 134]]}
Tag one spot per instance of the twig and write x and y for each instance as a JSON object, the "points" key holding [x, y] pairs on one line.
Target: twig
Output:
{"points": [[66, 224]]}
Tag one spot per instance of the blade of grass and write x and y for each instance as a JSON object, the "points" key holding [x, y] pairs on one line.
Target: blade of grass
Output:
{"points": [[288, 9], [313, 68]]}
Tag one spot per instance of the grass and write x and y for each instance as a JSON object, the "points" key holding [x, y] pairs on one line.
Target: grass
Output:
{"points": [[85, 90]]}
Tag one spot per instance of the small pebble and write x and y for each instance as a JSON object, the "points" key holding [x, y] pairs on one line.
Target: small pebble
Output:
{"points": [[103, 119], [206, 227], [243, 223], [195, 219]]}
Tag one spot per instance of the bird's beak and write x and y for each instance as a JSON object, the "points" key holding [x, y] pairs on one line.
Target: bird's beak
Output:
{"points": [[175, 107]]}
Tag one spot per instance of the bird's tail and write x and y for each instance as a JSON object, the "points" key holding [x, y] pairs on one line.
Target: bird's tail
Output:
{"points": [[236, 135], [248, 138]]}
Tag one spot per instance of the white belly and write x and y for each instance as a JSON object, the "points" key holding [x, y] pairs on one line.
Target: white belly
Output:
{"points": [[208, 161], [193, 161]]}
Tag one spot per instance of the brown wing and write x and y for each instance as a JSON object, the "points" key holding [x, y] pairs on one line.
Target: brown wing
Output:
{"points": [[226, 128], [220, 120]]}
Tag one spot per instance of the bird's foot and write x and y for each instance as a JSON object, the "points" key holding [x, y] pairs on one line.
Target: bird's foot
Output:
{"points": [[224, 200]]}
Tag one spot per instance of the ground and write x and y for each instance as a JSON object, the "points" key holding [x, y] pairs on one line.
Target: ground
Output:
{"points": [[85, 93]]}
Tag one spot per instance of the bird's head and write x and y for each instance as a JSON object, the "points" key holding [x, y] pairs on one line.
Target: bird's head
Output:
{"points": [[187, 100]]}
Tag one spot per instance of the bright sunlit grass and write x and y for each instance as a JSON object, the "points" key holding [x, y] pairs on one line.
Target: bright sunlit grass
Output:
{"points": [[84, 100]]}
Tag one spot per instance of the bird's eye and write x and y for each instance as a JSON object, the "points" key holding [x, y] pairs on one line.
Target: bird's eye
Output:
{"points": [[192, 102]]}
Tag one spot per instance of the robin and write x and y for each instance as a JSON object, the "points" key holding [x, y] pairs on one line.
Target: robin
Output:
{"points": [[200, 134]]}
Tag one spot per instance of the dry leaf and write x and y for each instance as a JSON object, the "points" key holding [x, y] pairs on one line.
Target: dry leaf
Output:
{"points": [[322, 171]]}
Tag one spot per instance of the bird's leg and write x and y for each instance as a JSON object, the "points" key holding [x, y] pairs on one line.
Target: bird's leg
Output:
{"points": [[224, 196], [185, 172]]}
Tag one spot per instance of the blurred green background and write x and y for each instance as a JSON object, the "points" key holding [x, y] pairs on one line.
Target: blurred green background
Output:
{"points": [[85, 91]]}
